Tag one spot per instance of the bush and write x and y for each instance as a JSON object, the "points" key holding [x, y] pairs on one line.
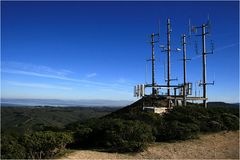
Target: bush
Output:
{"points": [[81, 137], [214, 126], [207, 119], [115, 135], [45, 144], [175, 130], [127, 136], [230, 121], [10, 147]]}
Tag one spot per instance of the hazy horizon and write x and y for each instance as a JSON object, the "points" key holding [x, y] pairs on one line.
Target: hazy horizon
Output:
{"points": [[64, 102], [79, 102]]}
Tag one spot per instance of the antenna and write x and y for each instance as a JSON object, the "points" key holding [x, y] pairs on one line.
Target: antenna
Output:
{"points": [[195, 89], [184, 43], [168, 50], [165, 71], [196, 47], [208, 20], [146, 73], [189, 28], [204, 64], [159, 30], [204, 53], [185, 88], [212, 46], [213, 77], [208, 25], [153, 61]]}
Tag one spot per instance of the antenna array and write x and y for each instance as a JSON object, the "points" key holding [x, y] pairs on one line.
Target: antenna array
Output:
{"points": [[185, 89]]}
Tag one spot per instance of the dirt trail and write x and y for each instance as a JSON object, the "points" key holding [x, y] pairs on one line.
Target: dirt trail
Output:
{"points": [[224, 145]]}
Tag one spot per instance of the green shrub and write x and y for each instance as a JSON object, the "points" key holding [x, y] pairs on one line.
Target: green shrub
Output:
{"points": [[45, 144], [175, 130], [81, 137], [207, 119], [11, 148], [230, 121], [128, 136], [115, 135], [214, 126]]}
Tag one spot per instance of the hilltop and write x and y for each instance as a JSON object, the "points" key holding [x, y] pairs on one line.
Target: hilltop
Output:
{"points": [[137, 107]]}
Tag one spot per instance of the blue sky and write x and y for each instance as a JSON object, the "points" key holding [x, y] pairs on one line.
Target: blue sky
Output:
{"points": [[98, 50]]}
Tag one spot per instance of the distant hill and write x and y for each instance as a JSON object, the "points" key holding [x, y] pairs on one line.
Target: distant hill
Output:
{"points": [[57, 102], [222, 104], [20, 119]]}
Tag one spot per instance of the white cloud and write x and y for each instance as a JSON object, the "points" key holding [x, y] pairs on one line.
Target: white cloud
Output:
{"points": [[29, 73], [51, 76], [47, 72], [41, 69], [91, 75], [124, 82], [38, 85], [217, 50], [226, 47], [121, 80]]}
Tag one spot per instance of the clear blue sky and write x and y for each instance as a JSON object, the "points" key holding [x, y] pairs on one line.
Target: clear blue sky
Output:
{"points": [[98, 50]]}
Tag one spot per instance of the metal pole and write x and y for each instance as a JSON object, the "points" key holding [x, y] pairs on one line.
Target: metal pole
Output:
{"points": [[175, 95], [146, 73], [204, 64], [153, 59], [168, 50], [184, 69], [195, 89]]}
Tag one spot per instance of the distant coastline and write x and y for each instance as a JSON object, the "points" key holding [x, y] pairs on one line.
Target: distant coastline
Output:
{"points": [[63, 103], [14, 102]]}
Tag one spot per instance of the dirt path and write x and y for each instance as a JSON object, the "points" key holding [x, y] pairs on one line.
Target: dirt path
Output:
{"points": [[224, 145]]}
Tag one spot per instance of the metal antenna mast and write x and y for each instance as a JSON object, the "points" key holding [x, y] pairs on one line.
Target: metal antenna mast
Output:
{"points": [[168, 51], [204, 54], [153, 62], [153, 65], [184, 68], [184, 43], [204, 64]]}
